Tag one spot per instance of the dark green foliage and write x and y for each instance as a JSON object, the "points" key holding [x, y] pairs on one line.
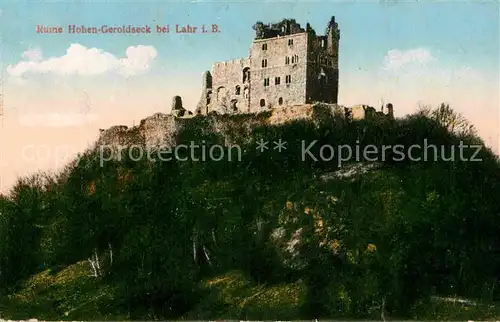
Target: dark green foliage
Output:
{"points": [[385, 239]]}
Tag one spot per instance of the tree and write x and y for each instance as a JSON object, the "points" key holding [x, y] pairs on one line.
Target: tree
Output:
{"points": [[454, 122]]}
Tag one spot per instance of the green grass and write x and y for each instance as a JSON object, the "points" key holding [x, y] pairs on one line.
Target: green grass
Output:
{"points": [[69, 294], [233, 296], [448, 311], [72, 294]]}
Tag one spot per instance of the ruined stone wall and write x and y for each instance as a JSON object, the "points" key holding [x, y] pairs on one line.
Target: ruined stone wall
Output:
{"points": [[115, 135], [358, 112], [283, 28], [159, 129], [162, 129], [226, 76], [275, 52], [156, 130]]}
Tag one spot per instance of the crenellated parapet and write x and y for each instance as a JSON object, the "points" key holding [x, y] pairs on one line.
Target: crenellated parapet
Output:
{"points": [[285, 27]]}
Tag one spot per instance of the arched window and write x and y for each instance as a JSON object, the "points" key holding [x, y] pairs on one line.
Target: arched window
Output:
{"points": [[280, 101], [234, 105], [221, 92], [237, 90], [262, 102], [246, 74]]}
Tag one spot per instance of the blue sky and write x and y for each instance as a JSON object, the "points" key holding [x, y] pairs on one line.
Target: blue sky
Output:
{"points": [[467, 32], [408, 53]]}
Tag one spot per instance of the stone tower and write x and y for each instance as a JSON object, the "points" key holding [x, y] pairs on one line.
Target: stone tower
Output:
{"points": [[333, 38], [323, 68]]}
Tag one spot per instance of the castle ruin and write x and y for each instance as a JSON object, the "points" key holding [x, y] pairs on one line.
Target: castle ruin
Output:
{"points": [[287, 65]]}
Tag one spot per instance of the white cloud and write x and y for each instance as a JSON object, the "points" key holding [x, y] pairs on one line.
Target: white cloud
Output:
{"points": [[32, 54], [80, 60], [395, 59]]}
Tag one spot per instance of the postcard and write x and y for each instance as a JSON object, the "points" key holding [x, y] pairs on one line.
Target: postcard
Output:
{"points": [[249, 160]]}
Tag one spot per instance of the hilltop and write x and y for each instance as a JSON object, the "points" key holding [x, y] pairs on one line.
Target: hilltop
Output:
{"points": [[270, 235], [161, 129]]}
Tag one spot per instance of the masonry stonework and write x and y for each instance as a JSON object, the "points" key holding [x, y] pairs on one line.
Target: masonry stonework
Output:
{"points": [[287, 65]]}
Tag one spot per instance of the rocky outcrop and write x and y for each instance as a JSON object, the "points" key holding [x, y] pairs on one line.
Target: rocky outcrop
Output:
{"points": [[287, 245]]}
